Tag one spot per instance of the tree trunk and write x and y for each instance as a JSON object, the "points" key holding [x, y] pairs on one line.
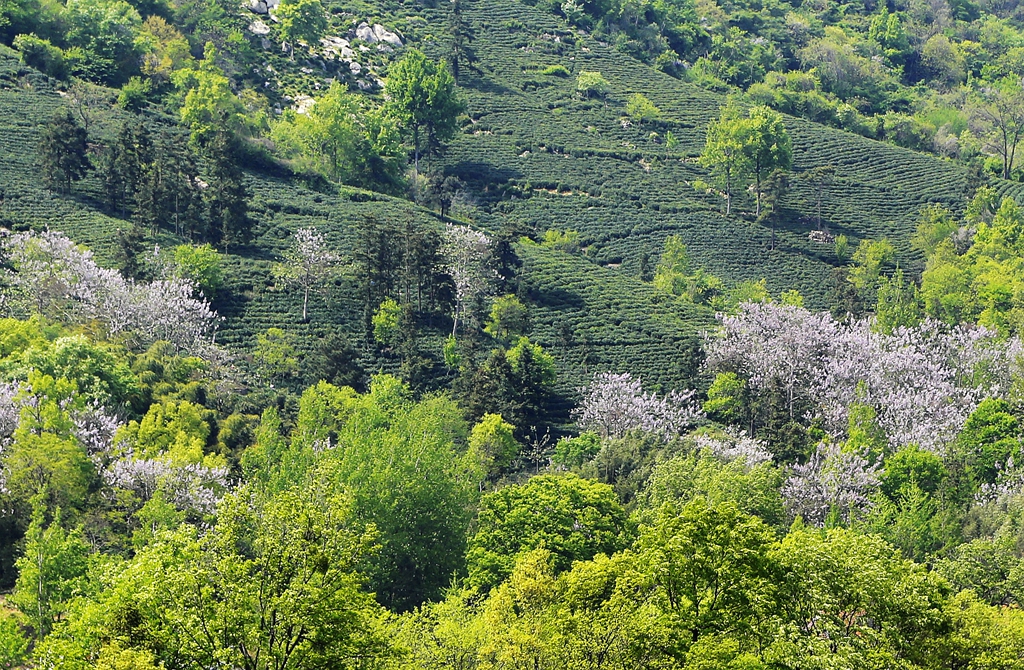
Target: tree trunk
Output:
{"points": [[305, 303]]}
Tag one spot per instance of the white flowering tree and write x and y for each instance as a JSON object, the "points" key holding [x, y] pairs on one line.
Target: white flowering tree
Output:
{"points": [[833, 481], [923, 382], [58, 279], [466, 254], [307, 264], [615, 404]]}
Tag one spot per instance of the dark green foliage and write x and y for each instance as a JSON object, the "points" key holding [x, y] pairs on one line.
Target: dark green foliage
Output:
{"points": [[989, 439], [226, 198], [63, 151]]}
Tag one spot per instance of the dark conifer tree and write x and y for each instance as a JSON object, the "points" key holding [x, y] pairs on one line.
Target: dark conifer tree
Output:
{"points": [[63, 152], [226, 197]]}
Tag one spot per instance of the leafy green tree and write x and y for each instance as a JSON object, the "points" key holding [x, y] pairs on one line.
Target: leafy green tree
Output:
{"points": [[399, 460], [509, 318], [571, 517], [712, 566], [13, 642], [200, 264], [273, 586], [641, 110], [51, 572], [210, 108], [102, 37], [493, 442], [385, 322], [899, 304], [989, 439], [422, 96], [301, 20], [275, 355], [573, 452], [997, 110], [41, 54], [591, 84], [175, 431], [766, 145], [63, 151], [724, 151]]}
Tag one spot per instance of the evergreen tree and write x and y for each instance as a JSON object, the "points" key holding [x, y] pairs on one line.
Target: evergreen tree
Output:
{"points": [[63, 151], [227, 198]]}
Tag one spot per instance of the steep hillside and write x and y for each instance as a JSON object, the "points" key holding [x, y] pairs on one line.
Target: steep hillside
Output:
{"points": [[616, 322], [538, 155], [625, 191]]}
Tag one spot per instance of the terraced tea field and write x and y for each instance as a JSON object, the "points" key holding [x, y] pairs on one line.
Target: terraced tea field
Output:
{"points": [[538, 155]]}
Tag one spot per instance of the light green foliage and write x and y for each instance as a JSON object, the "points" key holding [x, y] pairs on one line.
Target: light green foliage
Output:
{"points": [[986, 638], [573, 452], [991, 437], [674, 274], [385, 322], [887, 32], [766, 145], [275, 355], [573, 518], [854, 597], [51, 571], [899, 304], [641, 110], [422, 97], [986, 283], [509, 318], [591, 84], [275, 579], [134, 93], [200, 264], [173, 431], [301, 21], [693, 551], [912, 465], [724, 153], [41, 54], [450, 351], [44, 457], [492, 442], [342, 138], [727, 399], [868, 260], [555, 71], [209, 106], [753, 489], [114, 657], [531, 363], [562, 240], [400, 461], [13, 642], [99, 371]]}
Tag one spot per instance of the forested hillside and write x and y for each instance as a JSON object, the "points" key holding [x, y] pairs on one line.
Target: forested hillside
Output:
{"points": [[511, 334]]}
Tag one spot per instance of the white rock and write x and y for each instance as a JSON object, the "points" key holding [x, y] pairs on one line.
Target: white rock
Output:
{"points": [[256, 6], [303, 103], [384, 35], [257, 27], [364, 85], [355, 67], [365, 33]]}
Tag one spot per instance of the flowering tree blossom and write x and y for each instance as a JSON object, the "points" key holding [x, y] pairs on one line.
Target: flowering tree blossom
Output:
{"points": [[923, 382], [190, 488], [308, 263], [10, 411], [732, 447], [466, 252], [833, 480], [615, 404], [94, 429], [54, 277]]}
